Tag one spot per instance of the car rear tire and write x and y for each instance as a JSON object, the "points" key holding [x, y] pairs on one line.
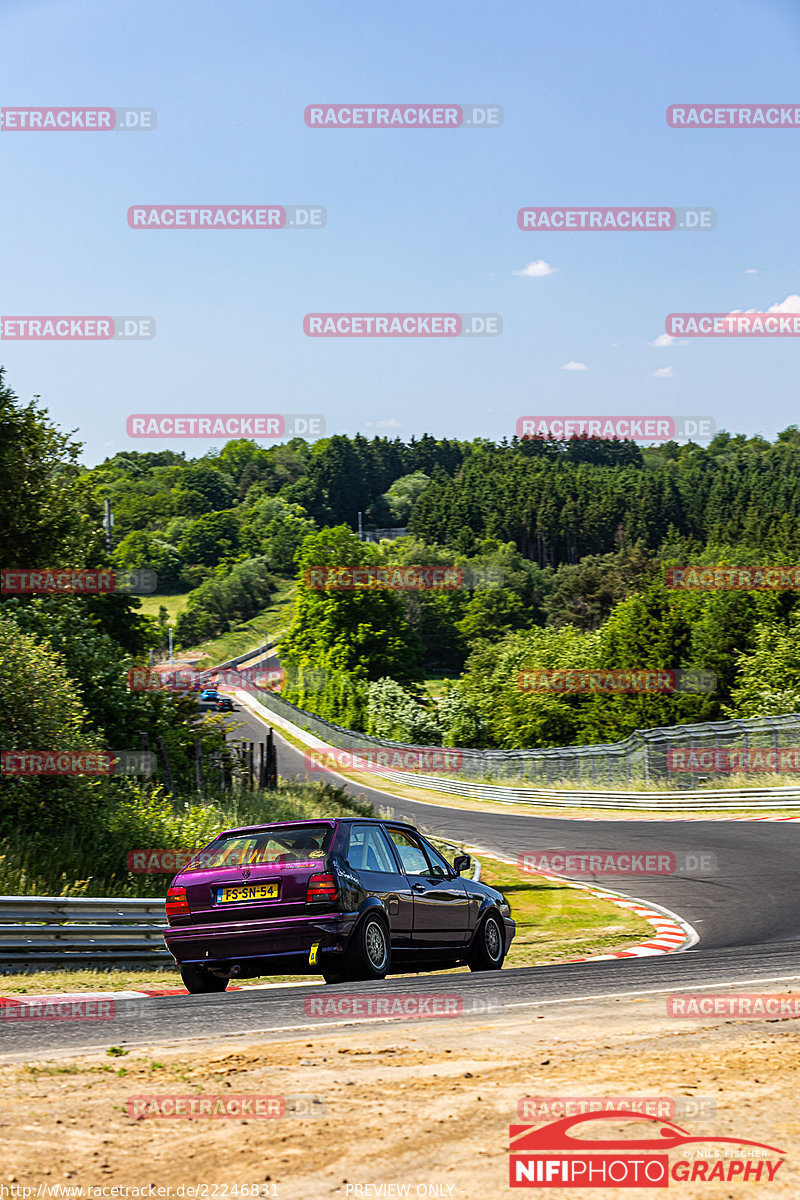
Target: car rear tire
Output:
{"points": [[198, 979], [488, 948], [370, 953]]}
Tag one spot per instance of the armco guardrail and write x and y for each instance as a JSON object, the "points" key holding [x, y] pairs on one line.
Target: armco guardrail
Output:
{"points": [[643, 757], [697, 801], [322, 735], [237, 662], [92, 932]]}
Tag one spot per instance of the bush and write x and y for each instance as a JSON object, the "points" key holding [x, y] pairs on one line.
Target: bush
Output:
{"points": [[218, 603], [394, 714], [89, 858]]}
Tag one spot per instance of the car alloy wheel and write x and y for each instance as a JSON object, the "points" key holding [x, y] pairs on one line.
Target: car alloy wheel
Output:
{"points": [[488, 949], [370, 954], [375, 940]]}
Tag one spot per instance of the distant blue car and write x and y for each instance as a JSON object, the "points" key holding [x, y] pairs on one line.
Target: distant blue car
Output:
{"points": [[209, 695]]}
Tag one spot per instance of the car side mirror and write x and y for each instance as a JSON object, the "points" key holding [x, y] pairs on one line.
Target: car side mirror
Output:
{"points": [[462, 862]]}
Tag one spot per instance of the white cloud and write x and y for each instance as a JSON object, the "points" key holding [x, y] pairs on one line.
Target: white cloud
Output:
{"points": [[790, 305], [663, 339], [535, 270], [751, 271], [390, 423], [663, 373], [574, 366]]}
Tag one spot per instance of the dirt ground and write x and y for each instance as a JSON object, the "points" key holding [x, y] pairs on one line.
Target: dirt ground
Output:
{"points": [[423, 1104]]}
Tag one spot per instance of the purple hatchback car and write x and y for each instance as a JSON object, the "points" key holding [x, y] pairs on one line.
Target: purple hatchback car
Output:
{"points": [[351, 898]]}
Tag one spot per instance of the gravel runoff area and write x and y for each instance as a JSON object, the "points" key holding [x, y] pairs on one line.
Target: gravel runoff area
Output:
{"points": [[421, 1105]]}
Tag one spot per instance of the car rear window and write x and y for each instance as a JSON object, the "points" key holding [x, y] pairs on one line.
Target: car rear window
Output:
{"points": [[300, 843]]}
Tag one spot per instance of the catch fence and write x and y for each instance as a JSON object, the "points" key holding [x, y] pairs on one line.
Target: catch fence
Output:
{"points": [[677, 756]]}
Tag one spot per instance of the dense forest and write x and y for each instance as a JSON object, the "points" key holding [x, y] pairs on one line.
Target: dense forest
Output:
{"points": [[563, 545]]}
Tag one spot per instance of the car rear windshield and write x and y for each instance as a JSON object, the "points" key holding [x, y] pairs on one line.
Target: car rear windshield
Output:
{"points": [[265, 847]]}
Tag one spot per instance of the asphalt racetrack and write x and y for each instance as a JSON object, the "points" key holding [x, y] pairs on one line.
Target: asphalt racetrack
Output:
{"points": [[744, 905]]}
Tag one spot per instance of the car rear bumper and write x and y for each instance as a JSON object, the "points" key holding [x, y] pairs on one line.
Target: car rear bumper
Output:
{"points": [[511, 929], [276, 942]]}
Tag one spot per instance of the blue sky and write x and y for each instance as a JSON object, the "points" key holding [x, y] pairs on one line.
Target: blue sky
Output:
{"points": [[417, 220]]}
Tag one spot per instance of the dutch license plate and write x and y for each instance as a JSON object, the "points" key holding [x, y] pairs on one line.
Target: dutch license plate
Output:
{"points": [[249, 891]]}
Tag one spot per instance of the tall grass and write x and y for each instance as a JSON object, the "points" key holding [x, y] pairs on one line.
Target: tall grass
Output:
{"points": [[90, 858]]}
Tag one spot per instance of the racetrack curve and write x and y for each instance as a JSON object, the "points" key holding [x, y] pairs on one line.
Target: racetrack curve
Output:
{"points": [[746, 914]]}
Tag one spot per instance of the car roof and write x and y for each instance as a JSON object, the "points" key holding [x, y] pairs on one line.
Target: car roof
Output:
{"points": [[315, 821]]}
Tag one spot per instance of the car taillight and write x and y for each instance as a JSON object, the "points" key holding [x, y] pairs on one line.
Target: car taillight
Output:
{"points": [[177, 905], [321, 887]]}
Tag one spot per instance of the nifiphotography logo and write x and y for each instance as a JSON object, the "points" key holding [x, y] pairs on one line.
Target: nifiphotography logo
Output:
{"points": [[555, 1156]]}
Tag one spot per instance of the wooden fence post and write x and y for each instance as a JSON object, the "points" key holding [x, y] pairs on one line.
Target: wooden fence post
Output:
{"points": [[162, 751]]}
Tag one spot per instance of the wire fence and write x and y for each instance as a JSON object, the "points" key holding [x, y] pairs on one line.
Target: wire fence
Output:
{"points": [[678, 756]]}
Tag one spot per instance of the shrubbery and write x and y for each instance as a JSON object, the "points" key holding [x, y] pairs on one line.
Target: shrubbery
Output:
{"points": [[229, 598]]}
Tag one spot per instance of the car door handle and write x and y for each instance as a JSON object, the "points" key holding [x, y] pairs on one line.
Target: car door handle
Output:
{"points": [[418, 887]]}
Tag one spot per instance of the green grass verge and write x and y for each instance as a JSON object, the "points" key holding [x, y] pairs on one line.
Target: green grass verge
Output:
{"points": [[267, 625], [556, 922], [174, 603], [436, 682]]}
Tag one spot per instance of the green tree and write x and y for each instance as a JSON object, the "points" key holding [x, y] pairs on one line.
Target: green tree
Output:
{"points": [[42, 711], [491, 613], [768, 676], [43, 513], [210, 539], [141, 549], [395, 505], [227, 599], [275, 529]]}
